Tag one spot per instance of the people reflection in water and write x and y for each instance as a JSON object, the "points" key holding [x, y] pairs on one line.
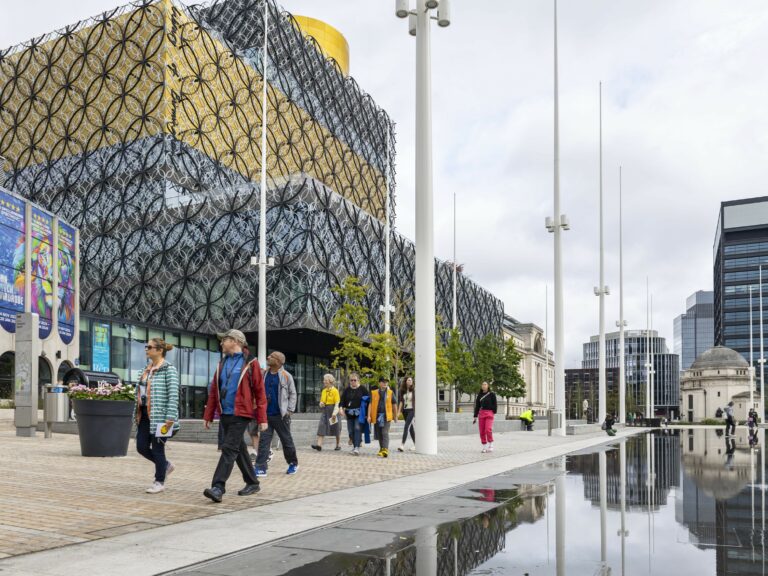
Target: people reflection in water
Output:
{"points": [[730, 448]]}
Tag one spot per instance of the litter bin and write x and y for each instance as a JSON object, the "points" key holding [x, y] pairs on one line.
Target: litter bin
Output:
{"points": [[55, 406]]}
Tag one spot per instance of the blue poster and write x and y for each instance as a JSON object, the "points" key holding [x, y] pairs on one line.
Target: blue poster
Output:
{"points": [[66, 291], [101, 337], [11, 259]]}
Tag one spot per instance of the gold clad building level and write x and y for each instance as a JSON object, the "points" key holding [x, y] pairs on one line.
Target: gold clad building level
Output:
{"points": [[332, 43]]}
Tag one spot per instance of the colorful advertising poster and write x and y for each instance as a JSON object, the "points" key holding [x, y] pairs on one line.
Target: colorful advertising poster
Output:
{"points": [[41, 263], [101, 334], [11, 259], [66, 282]]}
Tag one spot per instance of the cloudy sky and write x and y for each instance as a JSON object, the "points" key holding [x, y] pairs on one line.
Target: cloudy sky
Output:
{"points": [[685, 112]]}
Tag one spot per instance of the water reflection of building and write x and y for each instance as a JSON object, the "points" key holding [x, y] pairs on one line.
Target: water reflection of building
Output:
{"points": [[719, 508], [665, 473]]}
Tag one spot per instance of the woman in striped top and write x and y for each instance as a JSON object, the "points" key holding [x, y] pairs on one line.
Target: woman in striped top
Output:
{"points": [[157, 405]]}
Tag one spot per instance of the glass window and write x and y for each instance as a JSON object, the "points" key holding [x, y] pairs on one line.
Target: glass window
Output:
{"points": [[172, 338], [187, 341]]}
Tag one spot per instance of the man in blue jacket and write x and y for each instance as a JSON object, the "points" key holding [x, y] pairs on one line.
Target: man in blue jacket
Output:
{"points": [[281, 403]]}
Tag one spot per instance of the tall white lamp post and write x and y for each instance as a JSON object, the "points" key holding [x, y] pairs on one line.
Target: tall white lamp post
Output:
{"points": [[426, 408], [556, 224], [601, 291], [621, 323]]}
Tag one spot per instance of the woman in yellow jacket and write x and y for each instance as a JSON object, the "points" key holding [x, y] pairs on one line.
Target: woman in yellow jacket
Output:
{"points": [[329, 413], [381, 412]]}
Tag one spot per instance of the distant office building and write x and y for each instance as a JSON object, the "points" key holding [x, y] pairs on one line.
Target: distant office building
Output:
{"points": [[740, 248], [582, 384], [694, 331], [667, 368]]}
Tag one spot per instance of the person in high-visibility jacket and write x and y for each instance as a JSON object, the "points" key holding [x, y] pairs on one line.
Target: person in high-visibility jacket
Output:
{"points": [[527, 418]]}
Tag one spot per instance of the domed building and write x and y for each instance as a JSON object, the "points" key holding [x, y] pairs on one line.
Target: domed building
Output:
{"points": [[714, 379]]}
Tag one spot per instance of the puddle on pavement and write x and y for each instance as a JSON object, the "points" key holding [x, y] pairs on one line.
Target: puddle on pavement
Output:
{"points": [[683, 502]]}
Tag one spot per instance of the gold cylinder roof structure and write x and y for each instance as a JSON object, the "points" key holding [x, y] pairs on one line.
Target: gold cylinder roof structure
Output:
{"points": [[332, 42]]}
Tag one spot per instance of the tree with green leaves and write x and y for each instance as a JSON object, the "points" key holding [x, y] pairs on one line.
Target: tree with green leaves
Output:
{"points": [[460, 363], [383, 352], [497, 361], [351, 353]]}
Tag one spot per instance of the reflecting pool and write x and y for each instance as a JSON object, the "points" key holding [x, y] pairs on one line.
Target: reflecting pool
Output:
{"points": [[685, 502]]}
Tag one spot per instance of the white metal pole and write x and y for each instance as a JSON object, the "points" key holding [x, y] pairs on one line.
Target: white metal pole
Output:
{"points": [[751, 358], [647, 353], [426, 410], [558, 229], [762, 355], [653, 365], [387, 234], [455, 322], [546, 342], [261, 352], [622, 360], [455, 312], [601, 290], [623, 481]]}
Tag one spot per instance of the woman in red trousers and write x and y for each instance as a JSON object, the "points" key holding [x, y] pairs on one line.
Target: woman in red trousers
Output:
{"points": [[485, 410]]}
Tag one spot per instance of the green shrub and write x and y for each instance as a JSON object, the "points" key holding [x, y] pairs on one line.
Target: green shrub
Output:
{"points": [[712, 422]]}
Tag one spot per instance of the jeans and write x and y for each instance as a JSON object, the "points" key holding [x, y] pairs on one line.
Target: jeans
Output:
{"points": [[485, 421], [282, 427], [409, 413], [153, 449], [382, 434], [233, 451], [730, 424], [355, 430]]}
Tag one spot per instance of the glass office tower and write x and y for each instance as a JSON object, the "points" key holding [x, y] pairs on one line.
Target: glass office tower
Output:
{"points": [[740, 249], [694, 331]]}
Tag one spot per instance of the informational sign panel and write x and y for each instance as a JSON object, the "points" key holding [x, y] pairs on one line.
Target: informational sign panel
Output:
{"points": [[101, 340], [26, 374], [11, 260], [66, 282], [41, 262]]}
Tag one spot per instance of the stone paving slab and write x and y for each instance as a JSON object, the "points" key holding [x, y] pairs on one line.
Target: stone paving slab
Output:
{"points": [[54, 497]]}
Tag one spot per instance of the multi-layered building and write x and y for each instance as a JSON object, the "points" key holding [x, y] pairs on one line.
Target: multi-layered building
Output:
{"points": [[142, 127], [694, 331], [740, 250], [666, 368]]}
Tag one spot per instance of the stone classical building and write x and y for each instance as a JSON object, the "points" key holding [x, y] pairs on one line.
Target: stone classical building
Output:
{"points": [[537, 367], [714, 379]]}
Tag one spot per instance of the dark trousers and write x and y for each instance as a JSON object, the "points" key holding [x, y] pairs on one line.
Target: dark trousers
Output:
{"points": [[409, 413], [233, 451], [355, 430], [730, 424], [153, 449], [282, 427]]}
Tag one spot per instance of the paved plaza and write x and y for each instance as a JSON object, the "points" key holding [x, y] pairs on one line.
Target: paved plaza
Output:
{"points": [[53, 497]]}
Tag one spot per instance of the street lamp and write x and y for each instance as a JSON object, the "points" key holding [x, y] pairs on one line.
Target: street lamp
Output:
{"points": [[621, 323], [426, 413], [601, 291], [556, 225]]}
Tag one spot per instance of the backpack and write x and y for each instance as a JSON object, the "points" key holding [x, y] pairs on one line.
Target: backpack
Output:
{"points": [[719, 413]]}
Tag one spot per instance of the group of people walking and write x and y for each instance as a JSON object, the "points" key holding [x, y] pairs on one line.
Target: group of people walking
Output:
{"points": [[363, 409], [260, 402]]}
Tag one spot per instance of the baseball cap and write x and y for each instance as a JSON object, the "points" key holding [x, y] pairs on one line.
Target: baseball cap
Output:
{"points": [[234, 334]]}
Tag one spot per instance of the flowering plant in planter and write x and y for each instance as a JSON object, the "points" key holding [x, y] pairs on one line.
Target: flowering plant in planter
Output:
{"points": [[103, 392]]}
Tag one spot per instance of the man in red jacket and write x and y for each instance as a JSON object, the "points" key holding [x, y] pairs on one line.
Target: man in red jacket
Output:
{"points": [[237, 390]]}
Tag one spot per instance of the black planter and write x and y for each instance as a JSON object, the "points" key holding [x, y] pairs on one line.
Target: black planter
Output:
{"points": [[104, 426]]}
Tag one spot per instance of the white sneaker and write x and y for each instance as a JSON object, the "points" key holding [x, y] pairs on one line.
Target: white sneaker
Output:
{"points": [[356, 452], [485, 449], [490, 447], [156, 488], [412, 448], [169, 468], [401, 448]]}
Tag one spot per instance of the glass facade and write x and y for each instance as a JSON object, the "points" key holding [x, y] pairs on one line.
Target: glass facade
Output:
{"points": [[741, 248], [666, 367], [694, 331], [195, 356]]}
